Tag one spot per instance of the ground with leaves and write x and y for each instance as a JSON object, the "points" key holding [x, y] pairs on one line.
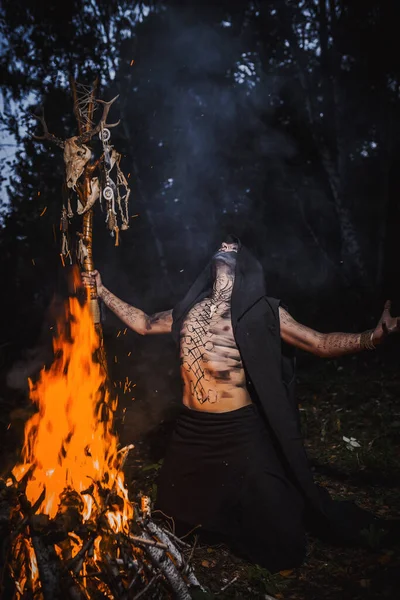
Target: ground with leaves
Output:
{"points": [[355, 398]]}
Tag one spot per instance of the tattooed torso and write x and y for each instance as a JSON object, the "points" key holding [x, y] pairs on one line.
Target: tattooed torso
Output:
{"points": [[211, 367]]}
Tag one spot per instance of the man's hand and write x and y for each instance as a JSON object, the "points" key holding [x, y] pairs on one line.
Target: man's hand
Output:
{"points": [[93, 281], [134, 318], [386, 325]]}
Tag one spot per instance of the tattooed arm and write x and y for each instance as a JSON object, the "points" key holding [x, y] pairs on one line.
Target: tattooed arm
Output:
{"points": [[327, 345], [134, 318]]}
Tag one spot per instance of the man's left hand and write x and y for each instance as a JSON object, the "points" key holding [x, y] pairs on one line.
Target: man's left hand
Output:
{"points": [[386, 325]]}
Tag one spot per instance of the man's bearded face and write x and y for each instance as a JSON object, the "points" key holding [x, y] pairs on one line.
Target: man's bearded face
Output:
{"points": [[226, 254]]}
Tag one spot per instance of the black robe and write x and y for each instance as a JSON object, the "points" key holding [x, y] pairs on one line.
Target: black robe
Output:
{"points": [[270, 373]]}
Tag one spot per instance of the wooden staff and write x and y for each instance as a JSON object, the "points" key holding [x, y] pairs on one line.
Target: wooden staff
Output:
{"points": [[80, 176], [84, 190], [84, 193]]}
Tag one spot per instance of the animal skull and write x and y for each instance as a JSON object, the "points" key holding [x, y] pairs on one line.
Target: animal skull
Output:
{"points": [[93, 196], [76, 156]]}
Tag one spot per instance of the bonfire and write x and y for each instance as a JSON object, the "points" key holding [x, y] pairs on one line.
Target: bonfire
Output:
{"points": [[74, 532]]}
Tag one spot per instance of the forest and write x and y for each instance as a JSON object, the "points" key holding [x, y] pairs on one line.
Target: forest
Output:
{"points": [[275, 120]]}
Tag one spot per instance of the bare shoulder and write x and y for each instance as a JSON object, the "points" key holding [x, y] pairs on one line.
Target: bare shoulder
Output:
{"points": [[160, 322], [285, 318], [297, 334], [288, 323]]}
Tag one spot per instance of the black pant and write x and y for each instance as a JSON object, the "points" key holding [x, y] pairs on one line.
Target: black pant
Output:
{"points": [[222, 472]]}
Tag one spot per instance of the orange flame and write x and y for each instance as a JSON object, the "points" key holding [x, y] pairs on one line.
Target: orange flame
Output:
{"points": [[69, 443]]}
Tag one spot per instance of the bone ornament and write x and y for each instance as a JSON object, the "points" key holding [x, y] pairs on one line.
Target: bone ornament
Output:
{"points": [[88, 178], [76, 157], [93, 196]]}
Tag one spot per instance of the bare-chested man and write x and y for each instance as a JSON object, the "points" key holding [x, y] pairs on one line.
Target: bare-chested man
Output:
{"points": [[227, 468]]}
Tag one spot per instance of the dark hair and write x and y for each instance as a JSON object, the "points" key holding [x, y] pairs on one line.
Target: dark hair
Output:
{"points": [[230, 239]]}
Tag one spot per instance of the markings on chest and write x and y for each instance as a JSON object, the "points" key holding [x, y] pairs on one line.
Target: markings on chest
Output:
{"points": [[208, 350], [206, 325]]}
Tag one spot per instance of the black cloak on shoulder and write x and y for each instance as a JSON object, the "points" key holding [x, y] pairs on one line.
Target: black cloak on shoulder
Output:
{"points": [[270, 373]]}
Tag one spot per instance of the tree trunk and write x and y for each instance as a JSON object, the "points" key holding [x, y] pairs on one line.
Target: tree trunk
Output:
{"points": [[333, 167]]}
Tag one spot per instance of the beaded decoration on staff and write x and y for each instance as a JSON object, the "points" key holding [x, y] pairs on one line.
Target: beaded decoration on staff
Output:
{"points": [[88, 180]]}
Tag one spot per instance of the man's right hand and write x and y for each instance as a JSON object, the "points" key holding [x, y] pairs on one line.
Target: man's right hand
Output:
{"points": [[92, 279], [133, 317]]}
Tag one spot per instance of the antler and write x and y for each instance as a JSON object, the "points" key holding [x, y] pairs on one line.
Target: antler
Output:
{"points": [[85, 137], [47, 135]]}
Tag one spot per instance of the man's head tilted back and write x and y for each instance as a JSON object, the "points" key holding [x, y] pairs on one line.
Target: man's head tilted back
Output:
{"points": [[229, 244], [224, 260]]}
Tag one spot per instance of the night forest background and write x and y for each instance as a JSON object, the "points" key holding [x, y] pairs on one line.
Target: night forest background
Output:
{"points": [[276, 120]]}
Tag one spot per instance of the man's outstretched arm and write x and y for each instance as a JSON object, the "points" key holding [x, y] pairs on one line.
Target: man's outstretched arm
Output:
{"points": [[330, 345], [133, 317]]}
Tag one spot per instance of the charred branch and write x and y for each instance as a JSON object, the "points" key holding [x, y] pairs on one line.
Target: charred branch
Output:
{"points": [[146, 560], [49, 568]]}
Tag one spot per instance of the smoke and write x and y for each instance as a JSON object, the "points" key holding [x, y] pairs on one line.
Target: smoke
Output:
{"points": [[27, 367], [212, 127], [33, 359]]}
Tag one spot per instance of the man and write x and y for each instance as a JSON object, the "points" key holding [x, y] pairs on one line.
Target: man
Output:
{"points": [[236, 466]]}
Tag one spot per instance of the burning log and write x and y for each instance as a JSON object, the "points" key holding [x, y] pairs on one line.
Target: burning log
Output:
{"points": [[126, 562], [48, 566]]}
